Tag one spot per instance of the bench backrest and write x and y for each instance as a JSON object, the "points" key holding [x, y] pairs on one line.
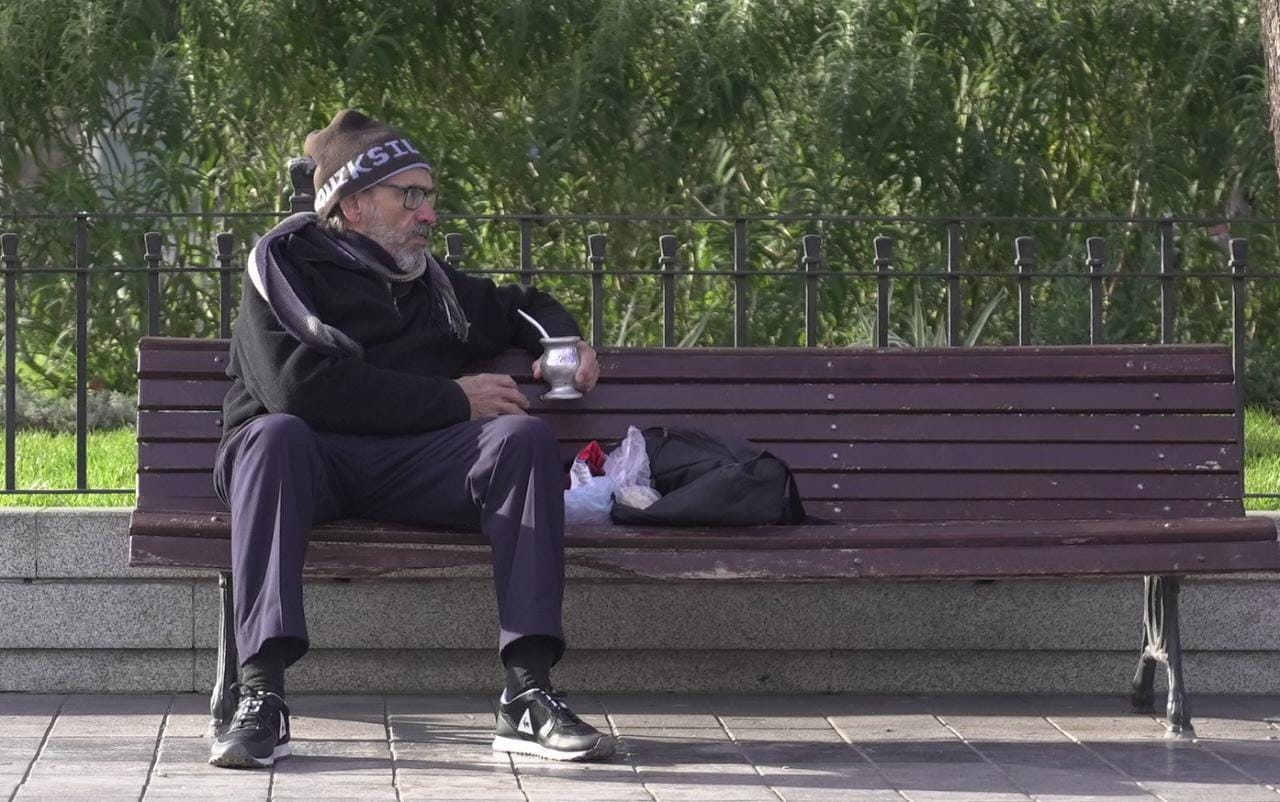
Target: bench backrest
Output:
{"points": [[873, 435]]}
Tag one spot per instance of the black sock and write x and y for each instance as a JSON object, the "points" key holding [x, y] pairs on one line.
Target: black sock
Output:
{"points": [[528, 661], [265, 670]]}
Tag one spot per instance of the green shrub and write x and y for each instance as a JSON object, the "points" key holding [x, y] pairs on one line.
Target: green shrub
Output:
{"points": [[106, 409], [1262, 379]]}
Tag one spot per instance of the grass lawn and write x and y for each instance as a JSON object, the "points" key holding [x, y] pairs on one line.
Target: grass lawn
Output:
{"points": [[48, 461]]}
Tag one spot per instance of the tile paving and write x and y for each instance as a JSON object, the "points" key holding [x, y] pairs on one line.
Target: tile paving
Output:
{"points": [[675, 748]]}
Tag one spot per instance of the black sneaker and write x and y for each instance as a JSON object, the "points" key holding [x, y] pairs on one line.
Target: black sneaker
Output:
{"points": [[258, 735], [540, 723]]}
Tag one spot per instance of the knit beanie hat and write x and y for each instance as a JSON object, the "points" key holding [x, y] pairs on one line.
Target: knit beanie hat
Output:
{"points": [[353, 153]]}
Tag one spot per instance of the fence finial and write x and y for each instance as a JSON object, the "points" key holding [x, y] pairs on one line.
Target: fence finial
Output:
{"points": [[301, 176], [1239, 248]]}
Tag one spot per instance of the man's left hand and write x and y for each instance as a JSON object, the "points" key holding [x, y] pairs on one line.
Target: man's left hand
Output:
{"points": [[588, 368]]}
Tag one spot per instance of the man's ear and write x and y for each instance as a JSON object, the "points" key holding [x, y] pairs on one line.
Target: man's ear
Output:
{"points": [[350, 206]]}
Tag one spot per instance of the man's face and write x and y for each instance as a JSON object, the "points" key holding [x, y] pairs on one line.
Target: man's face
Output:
{"points": [[404, 233]]}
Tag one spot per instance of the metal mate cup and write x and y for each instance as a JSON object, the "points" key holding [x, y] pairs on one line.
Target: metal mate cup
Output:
{"points": [[559, 364]]}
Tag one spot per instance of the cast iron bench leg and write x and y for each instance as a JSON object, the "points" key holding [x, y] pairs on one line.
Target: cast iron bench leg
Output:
{"points": [[1144, 696], [1162, 642], [1178, 711], [222, 705]]}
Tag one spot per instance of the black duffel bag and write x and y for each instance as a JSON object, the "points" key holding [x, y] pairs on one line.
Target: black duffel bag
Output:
{"points": [[711, 479]]}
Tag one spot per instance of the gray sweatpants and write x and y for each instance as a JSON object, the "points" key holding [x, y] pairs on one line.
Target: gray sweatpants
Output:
{"points": [[501, 475]]}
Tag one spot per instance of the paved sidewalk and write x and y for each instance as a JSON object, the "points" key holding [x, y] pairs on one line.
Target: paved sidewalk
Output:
{"points": [[690, 748]]}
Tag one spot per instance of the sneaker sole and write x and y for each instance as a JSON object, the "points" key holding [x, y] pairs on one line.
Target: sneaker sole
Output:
{"points": [[603, 748], [236, 757]]}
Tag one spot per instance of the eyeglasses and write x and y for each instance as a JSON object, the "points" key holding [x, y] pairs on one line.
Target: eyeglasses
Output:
{"points": [[413, 196]]}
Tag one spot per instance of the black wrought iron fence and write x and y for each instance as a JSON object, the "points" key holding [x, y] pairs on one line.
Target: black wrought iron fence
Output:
{"points": [[672, 280]]}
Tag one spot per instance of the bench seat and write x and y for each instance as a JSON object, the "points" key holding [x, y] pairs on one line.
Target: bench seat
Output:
{"points": [[992, 549]]}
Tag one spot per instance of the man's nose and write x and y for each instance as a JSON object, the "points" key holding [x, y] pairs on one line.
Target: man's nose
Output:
{"points": [[426, 213]]}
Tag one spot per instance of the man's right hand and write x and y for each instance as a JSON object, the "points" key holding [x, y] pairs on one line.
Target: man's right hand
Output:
{"points": [[493, 394]]}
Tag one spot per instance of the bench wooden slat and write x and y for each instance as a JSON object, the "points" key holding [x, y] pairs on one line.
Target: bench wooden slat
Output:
{"points": [[937, 563], [903, 486], [919, 485], [1017, 509], [176, 484], [862, 456], [191, 425], [958, 397], [879, 510], [919, 365], [908, 365], [807, 536], [575, 426], [215, 344], [889, 427], [371, 559]]}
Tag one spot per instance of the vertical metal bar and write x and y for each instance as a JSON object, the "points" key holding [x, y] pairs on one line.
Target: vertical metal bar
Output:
{"points": [[526, 252], [596, 246], [301, 176], [1096, 262], [667, 248], [453, 249], [1168, 287], [741, 267], [1239, 249], [152, 243], [9, 248], [884, 288], [226, 246], [955, 300], [82, 351], [222, 702], [1024, 260], [811, 263]]}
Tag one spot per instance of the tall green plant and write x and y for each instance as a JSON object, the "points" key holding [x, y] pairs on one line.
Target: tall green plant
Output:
{"points": [[1009, 107]]}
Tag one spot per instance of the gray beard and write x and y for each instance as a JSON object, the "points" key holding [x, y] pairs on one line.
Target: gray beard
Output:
{"points": [[411, 261]]}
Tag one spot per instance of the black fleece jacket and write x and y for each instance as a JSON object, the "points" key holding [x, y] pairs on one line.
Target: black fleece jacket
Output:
{"points": [[403, 384]]}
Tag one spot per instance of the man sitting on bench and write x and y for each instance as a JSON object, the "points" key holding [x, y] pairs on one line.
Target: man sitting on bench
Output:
{"points": [[346, 402]]}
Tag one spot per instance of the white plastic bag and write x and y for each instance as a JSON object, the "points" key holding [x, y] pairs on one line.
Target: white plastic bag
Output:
{"points": [[589, 498], [628, 467]]}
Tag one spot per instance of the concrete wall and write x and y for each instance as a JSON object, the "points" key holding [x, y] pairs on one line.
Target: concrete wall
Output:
{"points": [[74, 616]]}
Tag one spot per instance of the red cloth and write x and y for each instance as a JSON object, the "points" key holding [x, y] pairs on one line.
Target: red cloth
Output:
{"points": [[593, 455]]}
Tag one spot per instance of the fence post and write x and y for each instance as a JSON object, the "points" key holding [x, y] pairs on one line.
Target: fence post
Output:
{"points": [[151, 243], [596, 246], [226, 245], [667, 262], [453, 249], [1096, 262], [526, 251], [955, 302], [82, 350], [884, 288], [9, 248], [1168, 287], [811, 264], [301, 177], [1024, 260], [741, 266], [1238, 262]]}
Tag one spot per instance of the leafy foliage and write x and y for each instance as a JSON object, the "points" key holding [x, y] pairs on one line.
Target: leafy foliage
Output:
{"points": [[665, 107]]}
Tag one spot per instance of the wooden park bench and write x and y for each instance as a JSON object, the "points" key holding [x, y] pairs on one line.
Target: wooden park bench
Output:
{"points": [[920, 463]]}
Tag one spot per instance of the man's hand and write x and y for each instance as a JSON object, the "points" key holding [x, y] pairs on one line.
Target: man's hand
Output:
{"points": [[588, 368], [492, 394]]}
